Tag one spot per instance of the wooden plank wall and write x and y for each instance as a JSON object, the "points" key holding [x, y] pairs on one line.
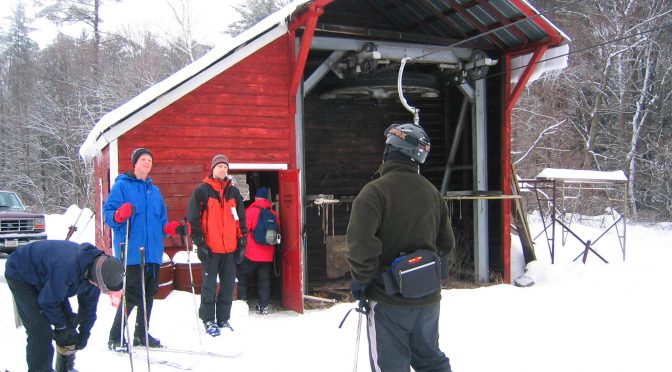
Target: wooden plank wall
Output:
{"points": [[242, 113]]}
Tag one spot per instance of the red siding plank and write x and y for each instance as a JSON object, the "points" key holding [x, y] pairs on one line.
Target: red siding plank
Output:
{"points": [[244, 112]]}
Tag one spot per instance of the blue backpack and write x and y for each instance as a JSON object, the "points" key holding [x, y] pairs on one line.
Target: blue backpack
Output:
{"points": [[266, 231]]}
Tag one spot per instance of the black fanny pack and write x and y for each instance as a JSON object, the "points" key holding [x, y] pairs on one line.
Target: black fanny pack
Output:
{"points": [[413, 275]]}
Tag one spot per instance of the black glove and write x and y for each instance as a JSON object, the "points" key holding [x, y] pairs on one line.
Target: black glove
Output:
{"points": [[239, 255], [198, 240], [65, 336], [184, 229], [240, 252], [82, 339], [359, 293], [242, 242], [203, 253]]}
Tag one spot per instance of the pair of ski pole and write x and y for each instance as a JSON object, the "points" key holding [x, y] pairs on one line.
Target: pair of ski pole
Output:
{"points": [[124, 323]]}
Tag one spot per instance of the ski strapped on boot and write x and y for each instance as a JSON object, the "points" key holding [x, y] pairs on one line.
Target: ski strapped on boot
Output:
{"points": [[156, 361], [193, 352]]}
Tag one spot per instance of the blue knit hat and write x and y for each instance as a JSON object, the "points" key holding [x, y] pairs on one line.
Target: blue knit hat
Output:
{"points": [[262, 192]]}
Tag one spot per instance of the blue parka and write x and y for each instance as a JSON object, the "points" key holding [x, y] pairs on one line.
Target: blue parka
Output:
{"points": [[147, 221], [57, 268]]}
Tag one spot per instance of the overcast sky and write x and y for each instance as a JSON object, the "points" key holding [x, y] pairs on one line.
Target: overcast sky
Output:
{"points": [[210, 17]]}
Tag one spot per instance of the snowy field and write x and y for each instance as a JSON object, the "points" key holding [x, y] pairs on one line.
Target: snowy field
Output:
{"points": [[594, 317]]}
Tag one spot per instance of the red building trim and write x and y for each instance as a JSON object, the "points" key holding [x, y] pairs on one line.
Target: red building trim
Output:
{"points": [[511, 96]]}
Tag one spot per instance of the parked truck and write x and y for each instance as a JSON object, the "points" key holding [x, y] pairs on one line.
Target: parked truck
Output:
{"points": [[18, 226]]}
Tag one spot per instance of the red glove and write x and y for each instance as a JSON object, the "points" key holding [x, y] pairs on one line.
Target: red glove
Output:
{"points": [[124, 212], [181, 228], [170, 227]]}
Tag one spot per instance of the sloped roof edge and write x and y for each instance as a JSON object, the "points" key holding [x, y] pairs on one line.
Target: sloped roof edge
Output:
{"points": [[120, 120], [548, 21]]}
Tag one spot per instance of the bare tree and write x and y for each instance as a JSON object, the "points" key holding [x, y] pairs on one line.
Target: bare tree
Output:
{"points": [[19, 84], [610, 97]]}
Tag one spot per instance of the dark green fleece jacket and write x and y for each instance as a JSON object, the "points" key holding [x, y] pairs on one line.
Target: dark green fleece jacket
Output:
{"points": [[399, 212]]}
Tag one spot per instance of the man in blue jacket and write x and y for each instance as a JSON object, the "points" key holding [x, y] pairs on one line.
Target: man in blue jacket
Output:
{"points": [[136, 201], [42, 276]]}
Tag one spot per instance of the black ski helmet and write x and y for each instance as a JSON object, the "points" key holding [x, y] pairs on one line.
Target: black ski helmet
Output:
{"points": [[408, 139], [107, 273]]}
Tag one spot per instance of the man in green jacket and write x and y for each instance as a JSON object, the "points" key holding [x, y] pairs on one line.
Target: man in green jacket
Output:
{"points": [[399, 213]]}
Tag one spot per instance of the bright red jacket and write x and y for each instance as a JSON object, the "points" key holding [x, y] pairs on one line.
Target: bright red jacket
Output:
{"points": [[255, 251]]}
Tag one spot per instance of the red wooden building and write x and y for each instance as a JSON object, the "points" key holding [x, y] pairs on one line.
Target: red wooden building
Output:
{"points": [[299, 103]]}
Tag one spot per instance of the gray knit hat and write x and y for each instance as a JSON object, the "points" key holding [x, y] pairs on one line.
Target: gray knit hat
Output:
{"points": [[107, 273], [219, 159]]}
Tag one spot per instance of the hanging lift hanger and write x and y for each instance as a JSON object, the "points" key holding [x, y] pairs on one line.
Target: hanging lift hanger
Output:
{"points": [[409, 108]]}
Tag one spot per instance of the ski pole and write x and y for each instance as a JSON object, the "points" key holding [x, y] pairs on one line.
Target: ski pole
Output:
{"points": [[83, 229], [359, 333], [362, 312], [193, 287], [124, 325], [144, 302], [72, 228]]}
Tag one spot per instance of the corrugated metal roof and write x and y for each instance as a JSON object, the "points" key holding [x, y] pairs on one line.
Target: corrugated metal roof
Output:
{"points": [[499, 24]]}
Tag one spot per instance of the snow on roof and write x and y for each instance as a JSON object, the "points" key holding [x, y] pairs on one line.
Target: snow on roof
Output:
{"points": [[185, 80], [578, 175], [554, 59], [546, 20]]}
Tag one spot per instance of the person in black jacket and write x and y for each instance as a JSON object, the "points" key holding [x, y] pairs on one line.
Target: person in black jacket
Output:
{"points": [[400, 213], [216, 214], [42, 277]]}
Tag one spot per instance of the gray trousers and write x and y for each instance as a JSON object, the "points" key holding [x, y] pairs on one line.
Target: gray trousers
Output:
{"points": [[403, 336]]}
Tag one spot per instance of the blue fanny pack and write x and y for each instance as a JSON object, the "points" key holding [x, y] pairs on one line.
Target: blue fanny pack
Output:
{"points": [[414, 275]]}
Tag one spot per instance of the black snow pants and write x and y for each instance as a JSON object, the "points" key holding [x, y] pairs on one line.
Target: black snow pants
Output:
{"points": [[217, 306], [39, 350], [262, 280], [405, 336], [134, 299]]}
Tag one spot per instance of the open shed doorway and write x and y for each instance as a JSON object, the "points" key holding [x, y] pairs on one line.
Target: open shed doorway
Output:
{"points": [[343, 149], [249, 182]]}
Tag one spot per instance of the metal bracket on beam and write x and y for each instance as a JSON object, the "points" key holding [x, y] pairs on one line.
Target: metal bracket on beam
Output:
{"points": [[322, 71], [468, 91], [420, 53]]}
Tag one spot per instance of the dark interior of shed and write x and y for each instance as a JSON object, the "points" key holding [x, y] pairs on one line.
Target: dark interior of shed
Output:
{"points": [[343, 147], [344, 117]]}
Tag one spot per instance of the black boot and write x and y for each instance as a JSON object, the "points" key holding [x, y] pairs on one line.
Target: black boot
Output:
{"points": [[65, 363], [151, 341], [115, 345]]}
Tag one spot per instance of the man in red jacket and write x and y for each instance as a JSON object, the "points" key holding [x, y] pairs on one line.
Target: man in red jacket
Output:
{"points": [[217, 217], [258, 257]]}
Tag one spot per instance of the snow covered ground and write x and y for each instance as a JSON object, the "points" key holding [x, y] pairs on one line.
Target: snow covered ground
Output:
{"points": [[594, 317]]}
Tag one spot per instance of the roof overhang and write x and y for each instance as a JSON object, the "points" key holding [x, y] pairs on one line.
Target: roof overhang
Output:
{"points": [[506, 25]]}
